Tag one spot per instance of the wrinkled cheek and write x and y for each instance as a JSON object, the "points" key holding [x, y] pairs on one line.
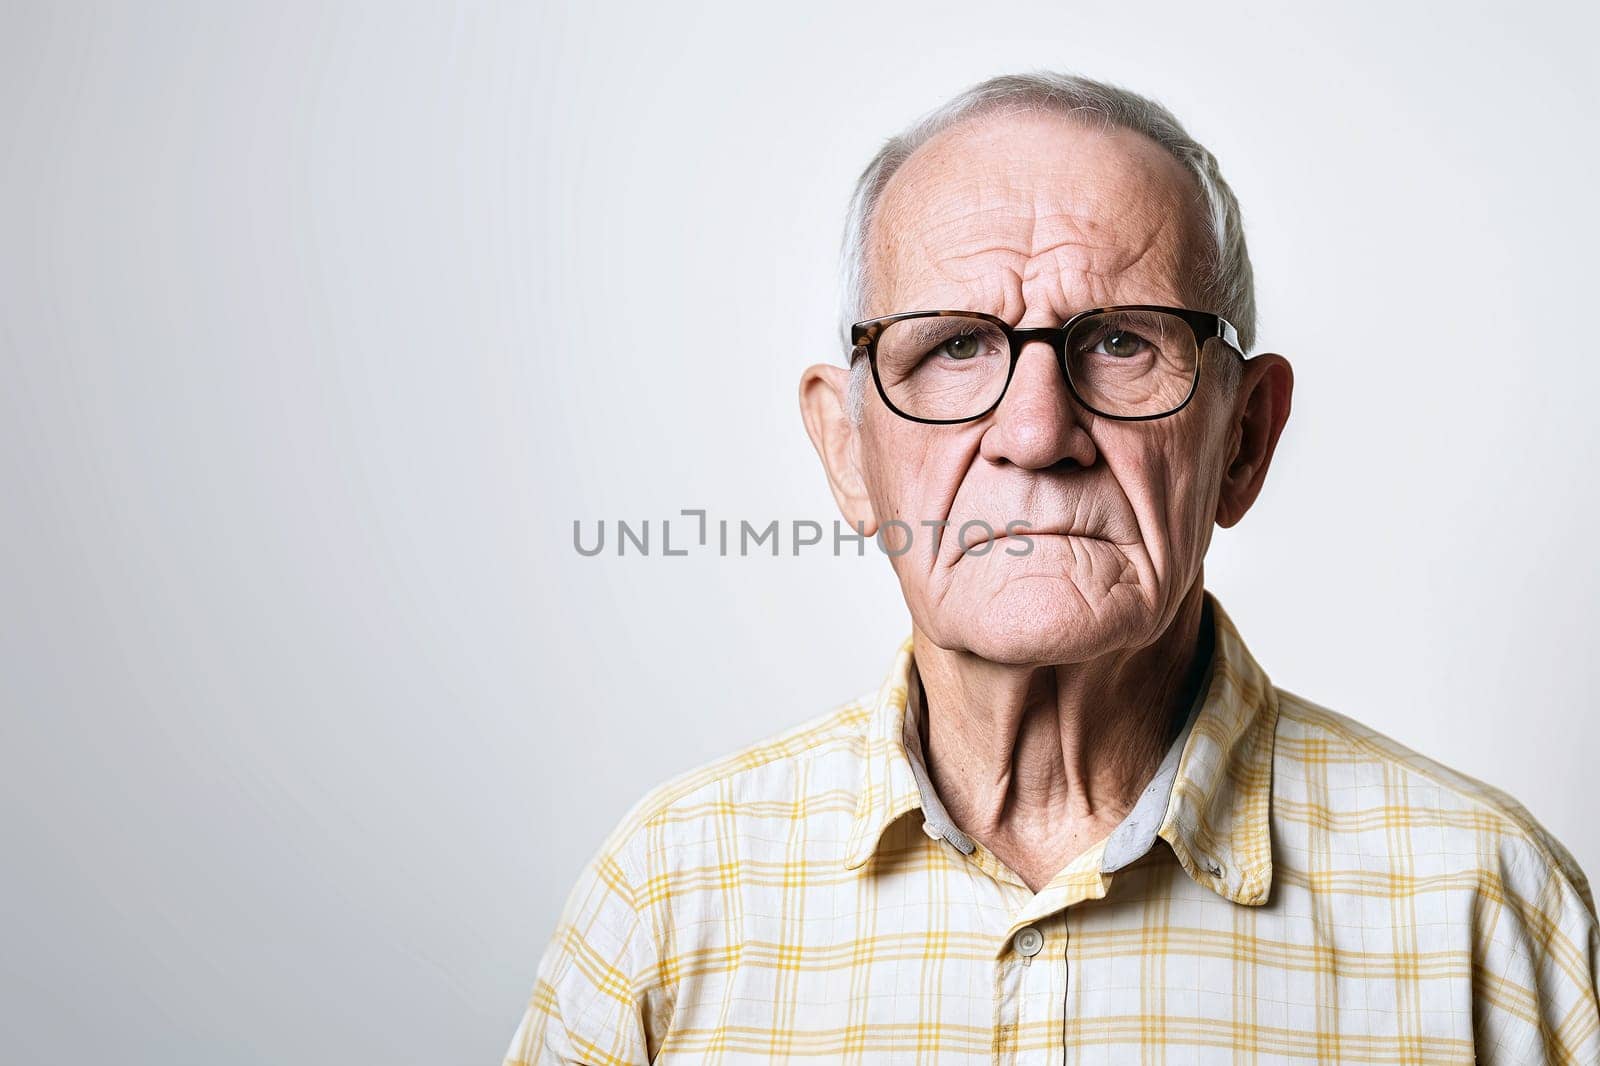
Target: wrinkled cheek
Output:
{"points": [[891, 473], [1172, 485], [1185, 499], [911, 539], [907, 497], [897, 540]]}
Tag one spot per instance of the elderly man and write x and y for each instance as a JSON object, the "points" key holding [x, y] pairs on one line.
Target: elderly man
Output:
{"points": [[1076, 822]]}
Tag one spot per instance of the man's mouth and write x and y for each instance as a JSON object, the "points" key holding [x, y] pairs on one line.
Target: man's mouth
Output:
{"points": [[1001, 534]]}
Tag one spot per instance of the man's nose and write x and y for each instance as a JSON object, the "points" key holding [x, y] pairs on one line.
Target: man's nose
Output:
{"points": [[1038, 423]]}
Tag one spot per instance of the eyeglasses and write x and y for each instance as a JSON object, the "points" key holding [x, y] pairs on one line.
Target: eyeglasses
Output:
{"points": [[1130, 362]]}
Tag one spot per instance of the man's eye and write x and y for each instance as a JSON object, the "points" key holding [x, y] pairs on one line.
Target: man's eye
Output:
{"points": [[964, 346], [1120, 343]]}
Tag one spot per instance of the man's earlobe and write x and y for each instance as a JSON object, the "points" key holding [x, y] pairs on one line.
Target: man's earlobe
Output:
{"points": [[824, 407], [1267, 387]]}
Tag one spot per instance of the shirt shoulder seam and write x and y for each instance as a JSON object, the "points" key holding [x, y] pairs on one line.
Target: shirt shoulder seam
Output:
{"points": [[800, 740], [1507, 810]]}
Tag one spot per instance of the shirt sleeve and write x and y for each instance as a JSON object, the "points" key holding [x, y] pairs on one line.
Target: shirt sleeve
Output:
{"points": [[594, 993], [1536, 983]]}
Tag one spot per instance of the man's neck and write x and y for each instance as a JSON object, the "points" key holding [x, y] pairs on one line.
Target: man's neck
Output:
{"points": [[1039, 763]]}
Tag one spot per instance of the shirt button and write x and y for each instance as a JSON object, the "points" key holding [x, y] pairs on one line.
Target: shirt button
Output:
{"points": [[1029, 941]]}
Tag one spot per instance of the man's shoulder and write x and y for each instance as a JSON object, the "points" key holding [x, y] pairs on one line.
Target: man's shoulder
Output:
{"points": [[1367, 769], [826, 748]]}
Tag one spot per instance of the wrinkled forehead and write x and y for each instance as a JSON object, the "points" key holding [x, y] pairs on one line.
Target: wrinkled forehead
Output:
{"points": [[1009, 212]]}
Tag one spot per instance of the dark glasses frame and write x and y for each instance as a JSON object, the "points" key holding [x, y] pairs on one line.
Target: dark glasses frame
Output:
{"points": [[1206, 324]]}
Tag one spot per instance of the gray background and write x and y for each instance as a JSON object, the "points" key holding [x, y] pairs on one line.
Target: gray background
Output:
{"points": [[322, 323]]}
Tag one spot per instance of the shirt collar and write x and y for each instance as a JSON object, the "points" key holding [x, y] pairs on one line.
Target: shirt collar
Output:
{"points": [[1209, 800]]}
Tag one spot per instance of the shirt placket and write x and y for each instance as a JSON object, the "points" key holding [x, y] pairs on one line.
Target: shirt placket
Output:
{"points": [[1030, 990]]}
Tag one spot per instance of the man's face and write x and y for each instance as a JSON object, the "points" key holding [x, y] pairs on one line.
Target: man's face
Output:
{"points": [[1034, 218]]}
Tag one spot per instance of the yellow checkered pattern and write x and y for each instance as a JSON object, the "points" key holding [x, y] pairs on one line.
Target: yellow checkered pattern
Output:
{"points": [[1315, 893]]}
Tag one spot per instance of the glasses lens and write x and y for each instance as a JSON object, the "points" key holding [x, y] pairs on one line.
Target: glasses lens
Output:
{"points": [[1133, 362], [943, 367]]}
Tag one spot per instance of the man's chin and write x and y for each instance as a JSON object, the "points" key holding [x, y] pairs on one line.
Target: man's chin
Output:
{"points": [[1038, 618]]}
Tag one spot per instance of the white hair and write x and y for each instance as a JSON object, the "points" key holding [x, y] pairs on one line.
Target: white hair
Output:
{"points": [[1224, 278]]}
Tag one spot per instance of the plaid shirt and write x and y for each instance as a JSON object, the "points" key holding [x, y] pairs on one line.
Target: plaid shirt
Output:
{"points": [[1291, 887]]}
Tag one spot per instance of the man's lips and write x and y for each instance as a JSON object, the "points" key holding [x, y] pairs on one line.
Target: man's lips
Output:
{"points": [[1048, 531]]}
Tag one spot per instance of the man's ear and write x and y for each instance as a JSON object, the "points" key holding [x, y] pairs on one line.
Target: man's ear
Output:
{"points": [[824, 405], [1265, 387]]}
